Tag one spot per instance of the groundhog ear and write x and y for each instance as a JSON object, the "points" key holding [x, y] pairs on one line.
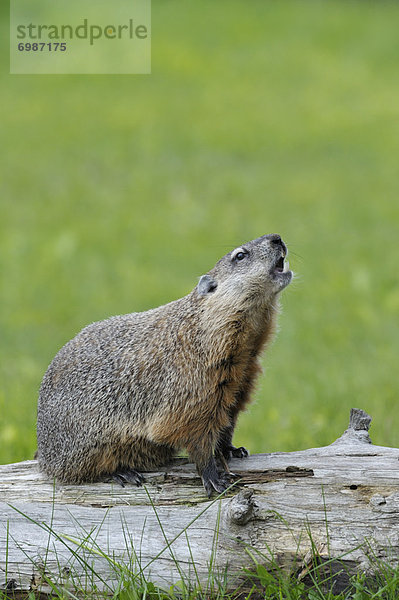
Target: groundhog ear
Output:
{"points": [[206, 285]]}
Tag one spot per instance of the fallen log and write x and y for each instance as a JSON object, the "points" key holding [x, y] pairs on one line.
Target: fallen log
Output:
{"points": [[340, 501]]}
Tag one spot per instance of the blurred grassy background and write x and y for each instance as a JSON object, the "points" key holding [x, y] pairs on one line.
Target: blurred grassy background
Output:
{"points": [[117, 192]]}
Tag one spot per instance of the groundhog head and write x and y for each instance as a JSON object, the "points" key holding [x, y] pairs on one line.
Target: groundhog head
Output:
{"points": [[252, 273]]}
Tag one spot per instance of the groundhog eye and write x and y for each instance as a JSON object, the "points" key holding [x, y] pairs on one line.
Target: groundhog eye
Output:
{"points": [[238, 254]]}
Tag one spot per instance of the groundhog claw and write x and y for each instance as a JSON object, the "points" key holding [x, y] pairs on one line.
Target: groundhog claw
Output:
{"points": [[240, 452], [218, 484], [128, 476], [233, 452]]}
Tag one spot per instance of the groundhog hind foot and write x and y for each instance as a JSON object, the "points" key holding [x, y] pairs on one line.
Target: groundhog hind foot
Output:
{"points": [[128, 476], [214, 481], [218, 484]]}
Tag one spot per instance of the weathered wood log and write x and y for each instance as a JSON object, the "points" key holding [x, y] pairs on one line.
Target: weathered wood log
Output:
{"points": [[342, 500]]}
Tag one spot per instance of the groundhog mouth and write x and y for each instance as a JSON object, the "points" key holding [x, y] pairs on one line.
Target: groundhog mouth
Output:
{"points": [[281, 270], [279, 266]]}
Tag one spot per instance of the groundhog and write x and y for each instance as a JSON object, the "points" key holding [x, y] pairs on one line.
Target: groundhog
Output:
{"points": [[127, 393]]}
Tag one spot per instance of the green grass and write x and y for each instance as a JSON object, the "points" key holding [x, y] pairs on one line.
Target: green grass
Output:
{"points": [[118, 192]]}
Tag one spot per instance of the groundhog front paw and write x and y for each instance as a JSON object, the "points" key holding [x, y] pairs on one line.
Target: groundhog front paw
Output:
{"points": [[128, 476], [233, 452], [240, 452]]}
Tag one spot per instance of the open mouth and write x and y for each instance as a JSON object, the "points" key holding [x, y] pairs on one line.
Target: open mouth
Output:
{"points": [[281, 266]]}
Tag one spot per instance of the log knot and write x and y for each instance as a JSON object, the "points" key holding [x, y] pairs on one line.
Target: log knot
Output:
{"points": [[241, 507]]}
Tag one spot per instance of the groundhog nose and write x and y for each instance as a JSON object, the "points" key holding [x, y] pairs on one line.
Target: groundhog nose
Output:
{"points": [[275, 240]]}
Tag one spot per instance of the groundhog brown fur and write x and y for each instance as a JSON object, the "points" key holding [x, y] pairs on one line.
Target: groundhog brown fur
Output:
{"points": [[127, 393]]}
